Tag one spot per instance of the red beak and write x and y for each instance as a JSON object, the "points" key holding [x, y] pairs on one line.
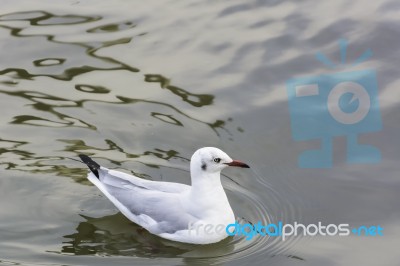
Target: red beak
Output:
{"points": [[238, 164]]}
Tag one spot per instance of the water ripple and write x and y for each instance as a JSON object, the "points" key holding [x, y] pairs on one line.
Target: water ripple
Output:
{"points": [[67, 105], [112, 27]]}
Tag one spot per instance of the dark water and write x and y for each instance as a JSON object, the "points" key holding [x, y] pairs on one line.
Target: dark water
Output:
{"points": [[141, 86]]}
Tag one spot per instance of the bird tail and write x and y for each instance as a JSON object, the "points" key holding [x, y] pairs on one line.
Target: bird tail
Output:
{"points": [[93, 166]]}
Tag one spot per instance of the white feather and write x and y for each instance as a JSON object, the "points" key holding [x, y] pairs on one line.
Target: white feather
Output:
{"points": [[168, 209]]}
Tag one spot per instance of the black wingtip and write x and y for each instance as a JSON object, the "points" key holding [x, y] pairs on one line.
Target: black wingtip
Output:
{"points": [[93, 166]]}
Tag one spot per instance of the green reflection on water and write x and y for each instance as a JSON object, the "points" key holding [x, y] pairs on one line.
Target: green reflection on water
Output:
{"points": [[116, 235], [197, 100], [112, 27], [109, 235]]}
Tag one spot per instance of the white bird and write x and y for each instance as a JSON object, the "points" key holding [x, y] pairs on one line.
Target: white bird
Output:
{"points": [[178, 212]]}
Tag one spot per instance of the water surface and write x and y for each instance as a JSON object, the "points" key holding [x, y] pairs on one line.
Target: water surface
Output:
{"points": [[141, 86]]}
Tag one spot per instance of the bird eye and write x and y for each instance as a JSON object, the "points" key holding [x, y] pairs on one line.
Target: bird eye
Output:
{"points": [[217, 160]]}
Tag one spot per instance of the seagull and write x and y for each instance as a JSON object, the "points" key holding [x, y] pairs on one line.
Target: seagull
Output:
{"points": [[196, 214]]}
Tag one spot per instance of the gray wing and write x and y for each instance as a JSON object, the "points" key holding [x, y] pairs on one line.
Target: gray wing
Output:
{"points": [[154, 205], [115, 177]]}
